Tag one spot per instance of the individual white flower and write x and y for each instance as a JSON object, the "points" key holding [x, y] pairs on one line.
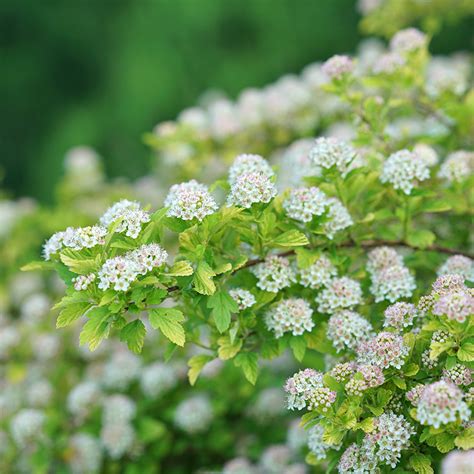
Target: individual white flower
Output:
{"points": [[329, 152], [27, 426], [457, 167], [458, 265], [340, 293], [243, 298], [303, 204], [248, 163], [129, 216], [86, 454], [274, 274], [251, 188], [291, 315], [408, 40], [338, 218], [157, 379], [403, 170], [319, 274], [338, 66], [194, 415], [347, 329], [190, 200], [117, 439]]}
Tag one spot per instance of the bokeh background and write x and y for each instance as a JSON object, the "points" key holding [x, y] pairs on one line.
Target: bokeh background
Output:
{"points": [[103, 72]]}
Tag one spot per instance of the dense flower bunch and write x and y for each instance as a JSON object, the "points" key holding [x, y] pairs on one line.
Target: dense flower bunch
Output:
{"points": [[292, 315], [334, 266]]}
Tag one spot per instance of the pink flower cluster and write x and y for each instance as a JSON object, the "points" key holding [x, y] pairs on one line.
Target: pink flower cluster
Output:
{"points": [[384, 350]]}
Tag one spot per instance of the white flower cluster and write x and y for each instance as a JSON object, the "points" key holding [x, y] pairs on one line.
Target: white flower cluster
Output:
{"points": [[194, 415], [391, 280], [426, 153], [83, 397], [75, 239], [27, 426], [340, 293], [399, 315], [318, 274], [447, 74], [385, 350], [316, 444], [251, 188], [121, 370], [391, 435], [300, 387], [86, 454], [388, 63], [458, 265], [458, 375], [291, 315], [129, 217], [190, 200], [303, 204], [458, 462], [269, 404], [117, 432], [338, 218], [157, 379], [441, 403], [120, 272], [274, 274], [403, 169], [457, 167], [383, 446], [248, 163], [243, 298], [347, 329], [329, 152], [82, 282], [338, 66], [408, 40]]}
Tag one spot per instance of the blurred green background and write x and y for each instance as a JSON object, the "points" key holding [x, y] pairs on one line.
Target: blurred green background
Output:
{"points": [[102, 72]]}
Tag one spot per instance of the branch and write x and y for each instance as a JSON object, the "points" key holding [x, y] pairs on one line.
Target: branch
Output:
{"points": [[365, 245]]}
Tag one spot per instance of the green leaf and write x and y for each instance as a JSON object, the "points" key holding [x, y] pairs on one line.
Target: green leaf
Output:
{"points": [[196, 364], [411, 369], [399, 382], [227, 349], [202, 280], [134, 335], [38, 265], [298, 346], [421, 238], [366, 425], [435, 206], [96, 328], [291, 238], [150, 429], [71, 308], [420, 464], [466, 352], [181, 268], [333, 435], [466, 439], [248, 361], [222, 305], [444, 442], [168, 321], [77, 264]]}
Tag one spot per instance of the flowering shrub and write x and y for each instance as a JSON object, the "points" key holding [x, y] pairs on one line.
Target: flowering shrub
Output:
{"points": [[246, 268]]}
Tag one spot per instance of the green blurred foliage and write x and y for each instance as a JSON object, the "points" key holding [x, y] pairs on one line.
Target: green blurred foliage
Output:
{"points": [[101, 73]]}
